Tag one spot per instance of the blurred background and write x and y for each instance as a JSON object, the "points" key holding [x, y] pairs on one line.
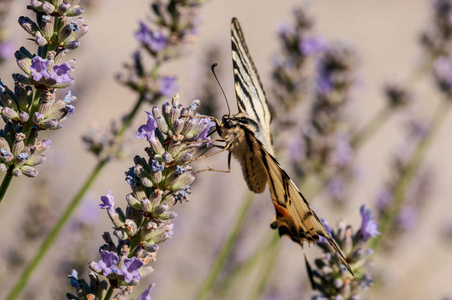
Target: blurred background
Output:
{"points": [[414, 262]]}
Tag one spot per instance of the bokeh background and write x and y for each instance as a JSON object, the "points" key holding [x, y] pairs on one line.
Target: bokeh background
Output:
{"points": [[385, 34]]}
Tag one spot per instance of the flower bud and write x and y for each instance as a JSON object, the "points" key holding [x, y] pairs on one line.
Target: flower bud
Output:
{"points": [[132, 201], [28, 25], [29, 171]]}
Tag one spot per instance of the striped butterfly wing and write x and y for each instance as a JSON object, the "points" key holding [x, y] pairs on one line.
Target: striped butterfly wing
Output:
{"points": [[253, 148], [250, 95]]}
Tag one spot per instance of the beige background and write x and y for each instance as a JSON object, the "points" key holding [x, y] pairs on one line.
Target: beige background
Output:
{"points": [[385, 33]]}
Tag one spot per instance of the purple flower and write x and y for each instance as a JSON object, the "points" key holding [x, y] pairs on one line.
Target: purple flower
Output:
{"points": [[108, 263], [168, 86], [368, 227], [204, 135], [142, 35], [328, 228], [384, 198], [38, 68], [324, 83], [336, 187], [146, 295], [407, 217], [148, 129], [6, 50], [312, 45], [130, 269], [60, 73], [108, 202], [343, 154], [157, 42], [442, 71]]}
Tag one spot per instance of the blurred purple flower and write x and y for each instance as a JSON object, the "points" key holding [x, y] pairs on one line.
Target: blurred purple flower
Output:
{"points": [[130, 269], [143, 33], [147, 130], [108, 263], [38, 68], [6, 50], [442, 71], [407, 217], [384, 198], [368, 227], [343, 153], [168, 86], [157, 41], [312, 45], [146, 295], [336, 187]]}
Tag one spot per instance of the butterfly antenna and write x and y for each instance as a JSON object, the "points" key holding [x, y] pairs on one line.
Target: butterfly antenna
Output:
{"points": [[212, 67]]}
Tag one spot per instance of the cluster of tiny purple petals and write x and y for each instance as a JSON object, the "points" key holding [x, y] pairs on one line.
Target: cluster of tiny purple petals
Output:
{"points": [[326, 148], [298, 43], [173, 24], [437, 42], [158, 182], [330, 278], [33, 105], [418, 189]]}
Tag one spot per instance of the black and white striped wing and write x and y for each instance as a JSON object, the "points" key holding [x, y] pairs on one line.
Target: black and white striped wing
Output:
{"points": [[251, 99], [294, 217]]}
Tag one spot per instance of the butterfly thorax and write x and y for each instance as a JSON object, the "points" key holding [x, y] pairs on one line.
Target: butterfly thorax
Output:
{"points": [[238, 132]]}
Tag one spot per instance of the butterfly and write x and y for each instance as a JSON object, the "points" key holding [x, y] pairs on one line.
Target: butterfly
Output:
{"points": [[247, 138]]}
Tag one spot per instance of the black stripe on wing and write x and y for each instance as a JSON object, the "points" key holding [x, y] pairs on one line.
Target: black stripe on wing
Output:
{"points": [[250, 94], [294, 217]]}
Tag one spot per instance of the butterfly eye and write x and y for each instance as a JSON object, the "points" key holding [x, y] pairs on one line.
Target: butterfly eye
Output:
{"points": [[229, 124]]}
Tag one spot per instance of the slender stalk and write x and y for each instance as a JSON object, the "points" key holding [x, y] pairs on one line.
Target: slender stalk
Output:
{"points": [[5, 183], [109, 293], [372, 126], [245, 267], [29, 126], [387, 219], [222, 256], [272, 255], [48, 242]]}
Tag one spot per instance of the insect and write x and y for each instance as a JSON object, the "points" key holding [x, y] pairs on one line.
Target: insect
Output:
{"points": [[247, 138]]}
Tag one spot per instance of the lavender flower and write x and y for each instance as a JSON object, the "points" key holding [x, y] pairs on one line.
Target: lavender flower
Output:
{"points": [[417, 190], [330, 278], [326, 150], [158, 182], [32, 105], [298, 43]]}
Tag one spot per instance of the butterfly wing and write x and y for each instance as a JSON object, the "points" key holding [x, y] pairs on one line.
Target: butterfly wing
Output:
{"points": [[294, 217], [250, 95]]}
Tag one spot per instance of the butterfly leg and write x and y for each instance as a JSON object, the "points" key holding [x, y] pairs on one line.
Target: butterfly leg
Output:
{"points": [[215, 170], [223, 148], [205, 141]]}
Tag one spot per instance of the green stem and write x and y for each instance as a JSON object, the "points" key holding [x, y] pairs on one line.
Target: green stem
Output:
{"points": [[272, 255], [372, 127], [109, 293], [5, 183], [221, 258], [29, 125], [49, 241], [387, 219], [245, 267]]}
